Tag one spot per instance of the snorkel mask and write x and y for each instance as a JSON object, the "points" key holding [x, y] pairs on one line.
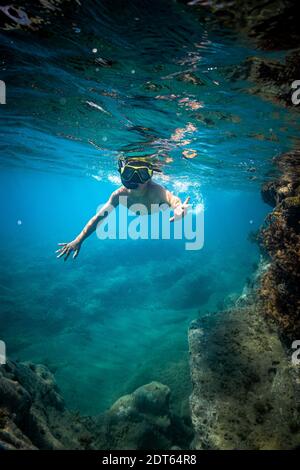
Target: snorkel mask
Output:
{"points": [[135, 171]]}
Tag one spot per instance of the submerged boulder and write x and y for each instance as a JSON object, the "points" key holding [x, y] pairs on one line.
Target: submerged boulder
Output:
{"points": [[32, 412], [143, 420], [33, 416], [245, 390]]}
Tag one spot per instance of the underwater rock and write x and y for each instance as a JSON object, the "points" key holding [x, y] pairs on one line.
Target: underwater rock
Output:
{"points": [[32, 412], [190, 77], [280, 238], [272, 79], [151, 86], [143, 420], [245, 390], [267, 25], [192, 290], [288, 181], [33, 416], [271, 25]]}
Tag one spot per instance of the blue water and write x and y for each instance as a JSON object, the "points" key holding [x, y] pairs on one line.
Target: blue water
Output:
{"points": [[117, 317]]}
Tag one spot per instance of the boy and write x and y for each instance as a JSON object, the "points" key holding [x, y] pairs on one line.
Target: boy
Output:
{"points": [[138, 187]]}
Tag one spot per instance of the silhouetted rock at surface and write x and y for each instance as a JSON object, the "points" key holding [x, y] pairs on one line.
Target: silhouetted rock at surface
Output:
{"points": [[271, 79], [272, 25]]}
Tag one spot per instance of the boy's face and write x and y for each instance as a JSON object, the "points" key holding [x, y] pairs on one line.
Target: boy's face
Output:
{"points": [[135, 174], [133, 184]]}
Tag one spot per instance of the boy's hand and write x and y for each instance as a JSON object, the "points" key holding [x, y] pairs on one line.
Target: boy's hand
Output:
{"points": [[67, 248], [181, 210]]}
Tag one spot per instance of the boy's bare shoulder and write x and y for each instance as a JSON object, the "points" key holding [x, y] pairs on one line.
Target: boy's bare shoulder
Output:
{"points": [[159, 193], [121, 191], [115, 195], [157, 187]]}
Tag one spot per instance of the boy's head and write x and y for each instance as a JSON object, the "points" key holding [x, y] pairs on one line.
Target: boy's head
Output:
{"points": [[135, 171]]}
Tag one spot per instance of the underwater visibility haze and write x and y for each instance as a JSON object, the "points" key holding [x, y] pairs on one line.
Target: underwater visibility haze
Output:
{"points": [[104, 80]]}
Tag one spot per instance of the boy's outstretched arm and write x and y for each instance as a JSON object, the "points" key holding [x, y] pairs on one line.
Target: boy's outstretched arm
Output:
{"points": [[74, 246], [179, 208]]}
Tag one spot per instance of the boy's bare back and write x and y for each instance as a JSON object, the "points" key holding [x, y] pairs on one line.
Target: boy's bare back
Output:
{"points": [[152, 193]]}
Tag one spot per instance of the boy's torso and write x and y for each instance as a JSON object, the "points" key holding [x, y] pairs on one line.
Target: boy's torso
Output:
{"points": [[154, 195]]}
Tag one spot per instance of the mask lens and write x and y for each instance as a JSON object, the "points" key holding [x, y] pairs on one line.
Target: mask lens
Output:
{"points": [[144, 174], [127, 173]]}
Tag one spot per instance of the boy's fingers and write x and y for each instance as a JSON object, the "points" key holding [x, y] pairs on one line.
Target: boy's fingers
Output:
{"points": [[62, 244], [62, 253], [67, 255], [187, 200], [75, 254]]}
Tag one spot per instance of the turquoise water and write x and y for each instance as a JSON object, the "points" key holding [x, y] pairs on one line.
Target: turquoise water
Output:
{"points": [[92, 85]]}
